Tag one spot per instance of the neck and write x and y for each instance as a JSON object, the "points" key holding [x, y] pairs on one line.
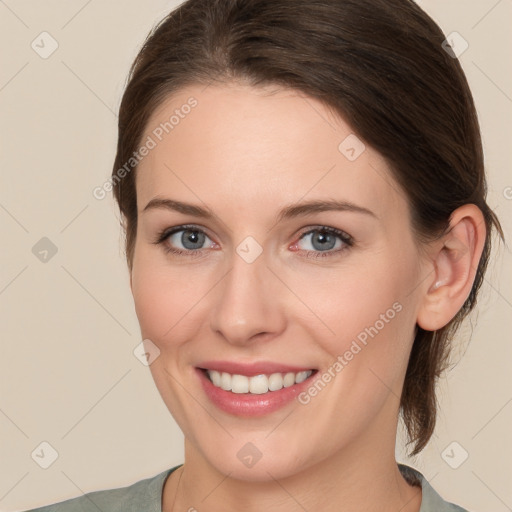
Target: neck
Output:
{"points": [[363, 476]]}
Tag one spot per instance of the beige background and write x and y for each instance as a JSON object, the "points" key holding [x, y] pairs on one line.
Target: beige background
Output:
{"points": [[68, 375]]}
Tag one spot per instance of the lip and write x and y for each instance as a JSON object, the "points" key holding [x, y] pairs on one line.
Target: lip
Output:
{"points": [[248, 404], [251, 369]]}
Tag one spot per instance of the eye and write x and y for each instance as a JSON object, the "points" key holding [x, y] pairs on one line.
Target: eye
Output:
{"points": [[186, 240], [324, 241]]}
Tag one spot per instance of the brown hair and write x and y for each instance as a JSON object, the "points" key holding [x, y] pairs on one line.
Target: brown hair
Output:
{"points": [[381, 65]]}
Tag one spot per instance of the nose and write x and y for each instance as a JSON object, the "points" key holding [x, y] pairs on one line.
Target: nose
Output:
{"points": [[249, 303]]}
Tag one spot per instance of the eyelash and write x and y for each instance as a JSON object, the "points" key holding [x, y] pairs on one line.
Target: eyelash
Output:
{"points": [[166, 233]]}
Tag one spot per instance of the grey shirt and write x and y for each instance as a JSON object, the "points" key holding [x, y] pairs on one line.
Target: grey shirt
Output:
{"points": [[146, 496]]}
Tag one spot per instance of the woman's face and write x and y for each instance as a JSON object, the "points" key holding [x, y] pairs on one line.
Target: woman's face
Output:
{"points": [[262, 280]]}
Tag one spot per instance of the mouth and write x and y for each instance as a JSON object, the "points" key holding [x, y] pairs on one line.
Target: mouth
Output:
{"points": [[253, 388], [256, 384]]}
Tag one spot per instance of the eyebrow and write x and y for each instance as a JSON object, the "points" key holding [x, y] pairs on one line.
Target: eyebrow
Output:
{"points": [[288, 212]]}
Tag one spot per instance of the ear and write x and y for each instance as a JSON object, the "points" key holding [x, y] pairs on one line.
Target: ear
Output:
{"points": [[454, 261]]}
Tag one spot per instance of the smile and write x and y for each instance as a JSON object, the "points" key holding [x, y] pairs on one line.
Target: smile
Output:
{"points": [[257, 384]]}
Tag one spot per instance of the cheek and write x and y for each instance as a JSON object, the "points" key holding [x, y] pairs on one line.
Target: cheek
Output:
{"points": [[365, 313], [366, 328], [166, 298]]}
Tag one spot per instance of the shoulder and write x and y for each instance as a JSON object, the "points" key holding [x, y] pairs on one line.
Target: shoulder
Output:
{"points": [[142, 495], [431, 501]]}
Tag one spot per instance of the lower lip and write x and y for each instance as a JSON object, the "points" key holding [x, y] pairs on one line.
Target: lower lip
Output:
{"points": [[248, 404]]}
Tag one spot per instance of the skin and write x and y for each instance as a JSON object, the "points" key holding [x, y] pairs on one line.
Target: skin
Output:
{"points": [[245, 153]]}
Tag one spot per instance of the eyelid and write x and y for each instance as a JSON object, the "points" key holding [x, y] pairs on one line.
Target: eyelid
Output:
{"points": [[329, 229], [167, 232]]}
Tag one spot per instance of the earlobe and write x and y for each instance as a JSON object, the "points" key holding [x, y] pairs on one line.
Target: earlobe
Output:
{"points": [[454, 264]]}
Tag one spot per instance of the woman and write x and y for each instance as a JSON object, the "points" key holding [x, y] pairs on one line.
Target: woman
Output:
{"points": [[303, 194]]}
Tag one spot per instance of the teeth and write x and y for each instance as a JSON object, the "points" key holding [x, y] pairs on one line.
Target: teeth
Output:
{"points": [[258, 384]]}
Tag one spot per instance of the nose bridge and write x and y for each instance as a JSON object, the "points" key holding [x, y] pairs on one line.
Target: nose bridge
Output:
{"points": [[247, 304]]}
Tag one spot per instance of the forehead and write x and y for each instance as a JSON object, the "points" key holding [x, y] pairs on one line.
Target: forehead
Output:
{"points": [[239, 148]]}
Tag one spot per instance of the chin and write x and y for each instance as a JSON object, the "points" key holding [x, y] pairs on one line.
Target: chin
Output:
{"points": [[261, 471]]}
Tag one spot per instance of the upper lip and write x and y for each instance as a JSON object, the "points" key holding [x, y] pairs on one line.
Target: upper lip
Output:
{"points": [[251, 369]]}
